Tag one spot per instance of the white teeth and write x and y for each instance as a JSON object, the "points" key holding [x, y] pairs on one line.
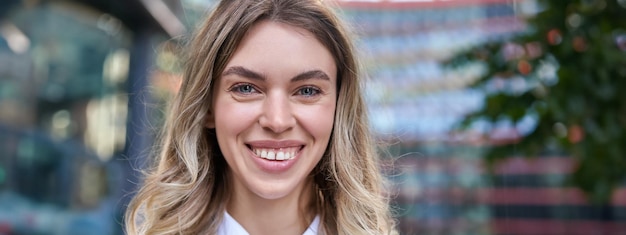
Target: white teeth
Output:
{"points": [[277, 154], [280, 156]]}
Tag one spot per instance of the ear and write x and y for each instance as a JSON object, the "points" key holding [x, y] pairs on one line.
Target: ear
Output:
{"points": [[210, 120]]}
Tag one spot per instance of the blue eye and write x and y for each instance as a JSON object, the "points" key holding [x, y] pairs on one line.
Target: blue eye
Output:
{"points": [[244, 89], [308, 91]]}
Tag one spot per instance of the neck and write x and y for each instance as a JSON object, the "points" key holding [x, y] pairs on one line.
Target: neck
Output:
{"points": [[291, 214]]}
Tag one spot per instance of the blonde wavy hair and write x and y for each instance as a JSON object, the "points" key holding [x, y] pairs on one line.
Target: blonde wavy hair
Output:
{"points": [[186, 192]]}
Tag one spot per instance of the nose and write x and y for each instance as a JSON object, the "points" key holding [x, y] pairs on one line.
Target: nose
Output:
{"points": [[277, 114]]}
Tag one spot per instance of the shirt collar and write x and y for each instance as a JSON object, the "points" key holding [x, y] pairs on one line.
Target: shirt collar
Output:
{"points": [[230, 226]]}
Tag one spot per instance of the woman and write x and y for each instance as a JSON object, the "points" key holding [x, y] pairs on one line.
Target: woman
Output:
{"points": [[268, 133]]}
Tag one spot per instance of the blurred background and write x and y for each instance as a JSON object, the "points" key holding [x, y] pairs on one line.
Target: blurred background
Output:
{"points": [[499, 116]]}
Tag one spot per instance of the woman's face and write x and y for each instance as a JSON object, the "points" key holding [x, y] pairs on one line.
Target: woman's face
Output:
{"points": [[274, 107]]}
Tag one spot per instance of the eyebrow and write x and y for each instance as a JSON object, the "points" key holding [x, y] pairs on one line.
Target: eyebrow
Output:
{"points": [[247, 73]]}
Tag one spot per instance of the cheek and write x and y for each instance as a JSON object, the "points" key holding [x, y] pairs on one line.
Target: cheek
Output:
{"points": [[318, 120], [233, 118]]}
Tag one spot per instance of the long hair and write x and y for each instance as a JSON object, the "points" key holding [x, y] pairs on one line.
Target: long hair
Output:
{"points": [[185, 193]]}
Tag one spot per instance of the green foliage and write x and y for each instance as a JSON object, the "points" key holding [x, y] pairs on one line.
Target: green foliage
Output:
{"points": [[566, 72]]}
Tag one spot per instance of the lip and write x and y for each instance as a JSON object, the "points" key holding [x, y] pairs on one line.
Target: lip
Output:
{"points": [[274, 166], [274, 144]]}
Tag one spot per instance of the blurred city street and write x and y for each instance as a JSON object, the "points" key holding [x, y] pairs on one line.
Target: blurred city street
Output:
{"points": [[84, 85]]}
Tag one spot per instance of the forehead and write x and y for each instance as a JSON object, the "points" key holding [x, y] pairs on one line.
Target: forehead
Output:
{"points": [[275, 48]]}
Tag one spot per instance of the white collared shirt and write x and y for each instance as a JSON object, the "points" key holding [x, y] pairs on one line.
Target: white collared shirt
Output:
{"points": [[230, 226]]}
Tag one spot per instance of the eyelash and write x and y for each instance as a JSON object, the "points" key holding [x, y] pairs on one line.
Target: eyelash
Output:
{"points": [[313, 89], [237, 88], [253, 89]]}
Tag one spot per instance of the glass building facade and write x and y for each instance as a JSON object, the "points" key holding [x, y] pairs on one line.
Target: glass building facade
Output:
{"points": [[72, 79]]}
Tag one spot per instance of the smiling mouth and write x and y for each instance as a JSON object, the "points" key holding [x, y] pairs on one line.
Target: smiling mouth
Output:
{"points": [[276, 154]]}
